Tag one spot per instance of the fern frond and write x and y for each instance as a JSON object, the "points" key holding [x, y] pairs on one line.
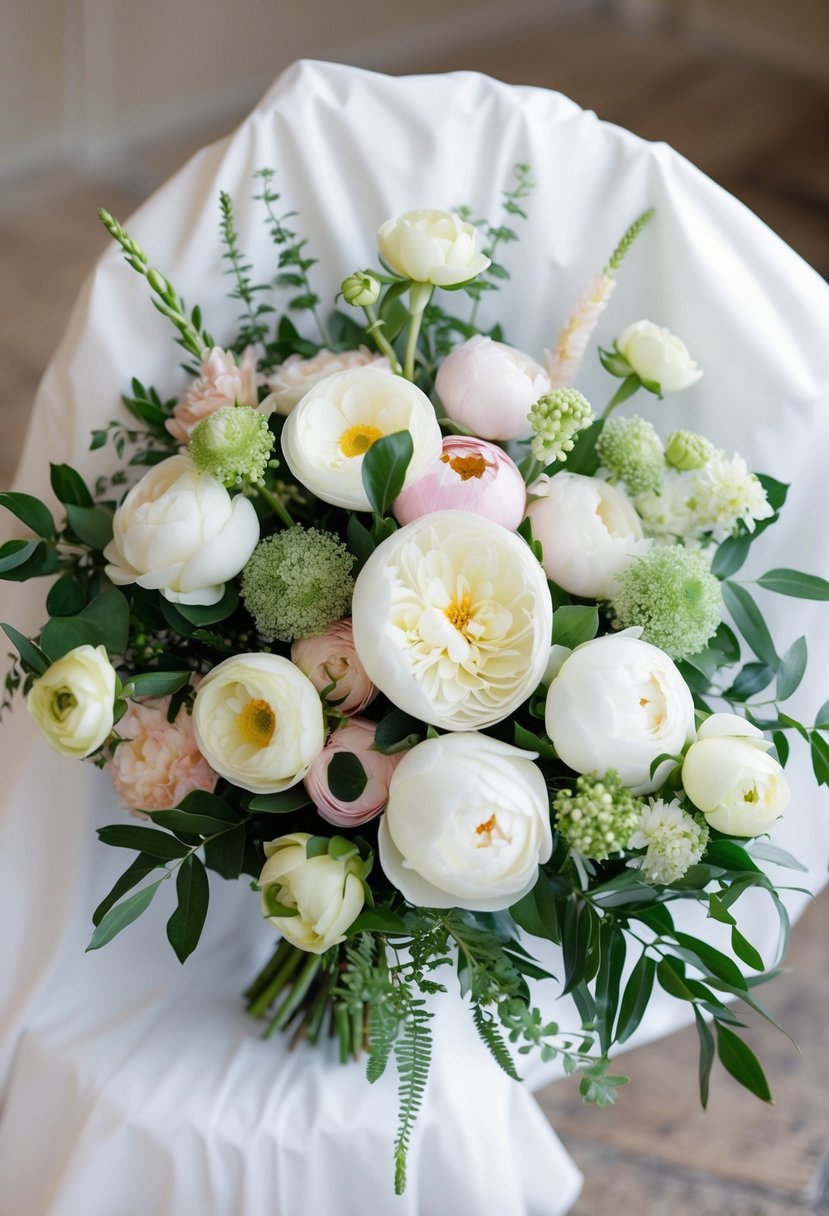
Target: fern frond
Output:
{"points": [[384, 1023], [413, 1054], [494, 1041]]}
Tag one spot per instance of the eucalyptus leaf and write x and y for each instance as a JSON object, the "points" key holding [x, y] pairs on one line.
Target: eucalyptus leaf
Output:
{"points": [[157, 683], [731, 555], [794, 583], [281, 803], [574, 624], [346, 776], [752, 678], [792, 669], [92, 525], [67, 596], [820, 757], [103, 622], [397, 732], [123, 914], [749, 620], [780, 857]]}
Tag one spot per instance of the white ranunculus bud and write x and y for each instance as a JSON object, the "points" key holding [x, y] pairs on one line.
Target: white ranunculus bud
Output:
{"points": [[431, 246], [72, 702], [489, 387], [618, 703], [178, 531], [326, 891], [258, 721], [658, 356], [589, 532], [467, 823], [729, 776]]}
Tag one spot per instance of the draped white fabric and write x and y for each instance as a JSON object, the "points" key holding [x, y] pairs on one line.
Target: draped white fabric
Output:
{"points": [[131, 1085]]}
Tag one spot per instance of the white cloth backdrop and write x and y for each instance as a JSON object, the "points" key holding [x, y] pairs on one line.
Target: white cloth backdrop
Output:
{"points": [[131, 1085]]}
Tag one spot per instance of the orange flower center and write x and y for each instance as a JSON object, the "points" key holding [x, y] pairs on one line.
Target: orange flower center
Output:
{"points": [[467, 466], [357, 440], [257, 723]]}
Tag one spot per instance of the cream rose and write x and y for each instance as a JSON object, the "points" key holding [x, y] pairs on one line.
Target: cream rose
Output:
{"points": [[467, 823], [728, 775], [329, 432], [658, 356], [258, 721], [452, 620], [327, 893], [589, 532], [178, 531], [619, 703], [488, 387], [72, 702], [289, 382], [430, 246]]}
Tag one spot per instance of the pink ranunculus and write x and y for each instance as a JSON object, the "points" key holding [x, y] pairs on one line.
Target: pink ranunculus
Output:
{"points": [[469, 475], [158, 762], [357, 737], [221, 382], [488, 387], [290, 381], [330, 658]]}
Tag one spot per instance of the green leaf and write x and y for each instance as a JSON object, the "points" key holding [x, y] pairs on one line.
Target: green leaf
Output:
{"points": [[738, 1059], [144, 840], [822, 716], [608, 980], [139, 868], [317, 846], [780, 857], [177, 820], [281, 803], [15, 552], [730, 856], [712, 960], [346, 776], [537, 911], [776, 492], [792, 669], [384, 469], [31, 512], [583, 458], [574, 624], [749, 621], [718, 911], [820, 757], [577, 926], [66, 597], [359, 542], [397, 732], [156, 683], [669, 978], [92, 525], [781, 746], [378, 920], [635, 998], [123, 914], [744, 950], [210, 614], [30, 652], [794, 583], [185, 925], [104, 622], [752, 678], [225, 853], [706, 1056], [731, 555], [69, 487], [534, 743]]}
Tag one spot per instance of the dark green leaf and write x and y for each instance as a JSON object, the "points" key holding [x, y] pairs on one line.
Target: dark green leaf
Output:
{"points": [[66, 597], [792, 669], [794, 583], [15, 552], [706, 1056], [820, 757], [200, 802], [282, 803], [730, 556], [776, 491], [725, 640], [384, 469], [636, 997], [104, 622], [781, 746], [30, 653], [359, 542], [749, 621], [397, 732], [608, 980], [574, 624], [31, 512], [123, 914], [139, 868], [752, 678], [738, 1059], [744, 950], [143, 840], [729, 855], [157, 683], [669, 978], [224, 854], [209, 614], [185, 925], [712, 960], [583, 458], [822, 716], [69, 487], [177, 820], [378, 920], [718, 911], [346, 776], [577, 925], [537, 912], [535, 743], [92, 525]]}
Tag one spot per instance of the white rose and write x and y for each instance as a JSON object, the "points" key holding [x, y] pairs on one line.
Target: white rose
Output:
{"points": [[658, 356], [488, 387], [728, 775], [430, 246], [291, 380], [328, 433], [452, 620], [589, 532], [258, 721], [178, 531], [327, 893], [467, 824], [618, 703], [72, 702]]}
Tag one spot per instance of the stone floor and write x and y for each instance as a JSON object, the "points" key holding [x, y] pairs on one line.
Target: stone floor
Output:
{"points": [[762, 133]]}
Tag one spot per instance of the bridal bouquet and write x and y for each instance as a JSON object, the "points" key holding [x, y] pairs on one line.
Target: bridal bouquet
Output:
{"points": [[390, 621]]}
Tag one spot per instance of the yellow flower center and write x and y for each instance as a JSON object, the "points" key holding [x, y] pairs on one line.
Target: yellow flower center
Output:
{"points": [[486, 827], [458, 613], [467, 466], [357, 440], [751, 795], [257, 723]]}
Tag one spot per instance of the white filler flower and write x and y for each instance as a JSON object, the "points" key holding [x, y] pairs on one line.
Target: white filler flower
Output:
{"points": [[467, 823], [329, 432], [452, 620], [673, 839]]}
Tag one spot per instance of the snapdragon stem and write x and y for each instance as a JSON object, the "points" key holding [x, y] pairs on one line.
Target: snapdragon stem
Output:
{"points": [[278, 507]]}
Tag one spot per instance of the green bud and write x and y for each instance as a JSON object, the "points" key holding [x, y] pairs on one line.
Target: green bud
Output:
{"points": [[686, 450], [157, 282], [360, 289]]}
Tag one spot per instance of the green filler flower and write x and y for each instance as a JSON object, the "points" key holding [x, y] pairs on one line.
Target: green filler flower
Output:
{"points": [[297, 583]]}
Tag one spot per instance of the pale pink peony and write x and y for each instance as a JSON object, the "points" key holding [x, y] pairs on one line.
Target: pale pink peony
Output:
{"points": [[330, 658], [158, 763], [488, 387], [469, 475], [221, 382], [290, 381], [357, 737]]}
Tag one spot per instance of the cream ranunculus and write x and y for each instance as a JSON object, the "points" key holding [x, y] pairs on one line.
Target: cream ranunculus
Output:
{"points": [[658, 356], [258, 721], [488, 387], [589, 532], [178, 531], [619, 703], [467, 824], [728, 775], [328, 433], [72, 702], [430, 246], [452, 620], [327, 892]]}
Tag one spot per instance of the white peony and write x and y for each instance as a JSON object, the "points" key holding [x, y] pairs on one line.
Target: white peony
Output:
{"points": [[431, 246], [178, 531], [618, 703], [729, 776], [467, 823], [327, 434], [327, 893], [658, 356], [258, 721], [72, 702], [452, 620]]}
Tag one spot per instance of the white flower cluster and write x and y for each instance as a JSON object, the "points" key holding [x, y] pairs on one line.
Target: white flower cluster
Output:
{"points": [[673, 839], [706, 502]]}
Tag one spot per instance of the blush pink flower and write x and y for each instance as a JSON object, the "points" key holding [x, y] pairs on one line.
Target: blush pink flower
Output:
{"points": [[357, 737], [330, 658], [469, 475], [488, 387], [292, 379], [221, 382], [158, 762]]}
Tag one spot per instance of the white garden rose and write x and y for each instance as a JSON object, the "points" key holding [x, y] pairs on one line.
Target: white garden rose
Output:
{"points": [[729, 776], [178, 531], [452, 620], [329, 432], [327, 892], [658, 356], [588, 530], [618, 703], [467, 823], [72, 702], [258, 721], [431, 246]]}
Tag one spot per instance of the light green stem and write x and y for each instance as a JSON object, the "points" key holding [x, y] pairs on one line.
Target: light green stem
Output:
{"points": [[375, 330], [629, 386], [278, 507]]}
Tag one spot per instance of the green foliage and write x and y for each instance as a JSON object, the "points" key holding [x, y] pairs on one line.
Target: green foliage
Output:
{"points": [[253, 326], [293, 262], [384, 469]]}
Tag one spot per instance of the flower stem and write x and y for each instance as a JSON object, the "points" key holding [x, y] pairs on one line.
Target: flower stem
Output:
{"points": [[626, 389], [375, 331], [307, 973], [419, 296], [278, 507], [272, 990]]}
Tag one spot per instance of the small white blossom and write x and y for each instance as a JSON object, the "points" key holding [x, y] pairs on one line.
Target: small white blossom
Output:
{"points": [[674, 841]]}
